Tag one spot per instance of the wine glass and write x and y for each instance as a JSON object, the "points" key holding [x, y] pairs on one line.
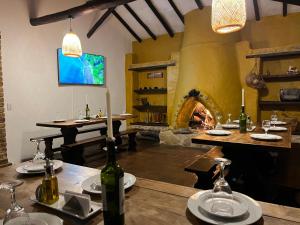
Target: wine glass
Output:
{"points": [[274, 118], [229, 121], [16, 213], [266, 125], [39, 155], [222, 193], [219, 125]]}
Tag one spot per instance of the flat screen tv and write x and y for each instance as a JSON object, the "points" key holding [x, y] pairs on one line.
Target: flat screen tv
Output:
{"points": [[86, 70]]}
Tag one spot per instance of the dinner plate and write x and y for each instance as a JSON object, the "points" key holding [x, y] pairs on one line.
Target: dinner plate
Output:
{"points": [[129, 180], [239, 206], [236, 121], [230, 126], [125, 114], [35, 168], [59, 121], [278, 123], [58, 206], [254, 211], [266, 137], [81, 121], [218, 132], [278, 129], [42, 218]]}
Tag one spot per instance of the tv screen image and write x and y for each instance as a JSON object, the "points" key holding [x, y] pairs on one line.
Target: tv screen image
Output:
{"points": [[86, 70]]}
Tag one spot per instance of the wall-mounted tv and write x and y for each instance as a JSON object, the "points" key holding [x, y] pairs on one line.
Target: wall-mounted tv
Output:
{"points": [[89, 69]]}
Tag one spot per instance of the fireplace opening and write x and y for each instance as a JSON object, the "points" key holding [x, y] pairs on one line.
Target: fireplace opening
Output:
{"points": [[201, 117]]}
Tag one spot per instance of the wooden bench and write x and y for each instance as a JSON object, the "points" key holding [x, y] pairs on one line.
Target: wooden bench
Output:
{"points": [[204, 168]]}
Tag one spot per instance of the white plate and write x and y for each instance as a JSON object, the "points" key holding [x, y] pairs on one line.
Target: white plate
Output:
{"points": [[59, 121], [278, 129], [129, 180], [125, 114], [103, 117], [44, 218], [218, 132], [236, 121], [58, 206], [30, 168], [239, 206], [253, 215], [266, 137], [81, 121], [278, 123], [230, 126]]}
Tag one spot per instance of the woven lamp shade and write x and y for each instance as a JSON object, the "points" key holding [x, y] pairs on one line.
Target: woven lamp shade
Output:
{"points": [[71, 45], [228, 15]]}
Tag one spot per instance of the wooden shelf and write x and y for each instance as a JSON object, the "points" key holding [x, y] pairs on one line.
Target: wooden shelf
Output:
{"points": [[278, 103], [152, 65], [271, 55], [281, 77], [151, 108], [151, 124], [151, 91]]}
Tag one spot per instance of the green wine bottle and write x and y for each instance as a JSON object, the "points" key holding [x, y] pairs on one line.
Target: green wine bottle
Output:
{"points": [[87, 112], [112, 184], [243, 120]]}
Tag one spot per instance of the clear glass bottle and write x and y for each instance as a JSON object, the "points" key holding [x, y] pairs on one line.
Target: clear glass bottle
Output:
{"points": [[112, 184], [49, 187]]}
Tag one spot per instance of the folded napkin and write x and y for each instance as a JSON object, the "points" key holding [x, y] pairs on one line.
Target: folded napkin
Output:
{"points": [[77, 203], [35, 166]]}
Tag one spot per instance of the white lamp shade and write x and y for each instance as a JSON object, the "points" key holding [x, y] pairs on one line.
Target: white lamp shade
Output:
{"points": [[228, 15], [71, 45]]}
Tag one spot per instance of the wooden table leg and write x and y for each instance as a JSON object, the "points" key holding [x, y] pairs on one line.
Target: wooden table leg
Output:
{"points": [[76, 156], [116, 131]]}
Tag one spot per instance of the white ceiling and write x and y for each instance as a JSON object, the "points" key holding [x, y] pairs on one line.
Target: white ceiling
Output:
{"points": [[266, 7]]}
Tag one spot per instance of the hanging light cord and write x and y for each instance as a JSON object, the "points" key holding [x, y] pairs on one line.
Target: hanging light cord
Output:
{"points": [[70, 18]]}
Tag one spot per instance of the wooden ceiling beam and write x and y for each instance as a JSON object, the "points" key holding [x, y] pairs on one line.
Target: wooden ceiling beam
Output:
{"points": [[88, 7], [160, 18], [125, 24], [256, 10], [289, 2], [199, 4], [179, 14], [99, 22], [138, 19]]}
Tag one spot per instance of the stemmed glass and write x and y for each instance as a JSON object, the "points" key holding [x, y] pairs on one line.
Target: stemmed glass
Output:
{"points": [[274, 118], [221, 193], [39, 155], [16, 212], [266, 125], [229, 121], [219, 125]]}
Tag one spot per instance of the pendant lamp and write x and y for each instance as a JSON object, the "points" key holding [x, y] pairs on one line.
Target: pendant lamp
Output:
{"points": [[71, 45], [228, 15]]}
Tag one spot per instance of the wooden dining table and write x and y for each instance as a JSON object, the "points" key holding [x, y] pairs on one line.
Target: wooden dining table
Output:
{"points": [[253, 160], [147, 202], [69, 130]]}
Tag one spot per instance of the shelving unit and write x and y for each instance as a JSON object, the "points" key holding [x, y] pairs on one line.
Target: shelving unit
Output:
{"points": [[152, 65], [151, 108], [281, 77], [278, 103], [272, 55]]}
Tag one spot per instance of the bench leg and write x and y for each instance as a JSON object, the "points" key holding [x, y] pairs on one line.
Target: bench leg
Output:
{"points": [[48, 150], [132, 142]]}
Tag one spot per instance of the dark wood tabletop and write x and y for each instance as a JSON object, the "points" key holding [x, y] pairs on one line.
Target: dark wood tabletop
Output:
{"points": [[72, 123], [238, 139], [147, 202]]}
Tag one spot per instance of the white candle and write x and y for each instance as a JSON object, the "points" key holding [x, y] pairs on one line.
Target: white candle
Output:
{"points": [[243, 97], [86, 99], [109, 116]]}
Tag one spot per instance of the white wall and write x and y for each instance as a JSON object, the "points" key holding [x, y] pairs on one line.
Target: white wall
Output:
{"points": [[30, 69]]}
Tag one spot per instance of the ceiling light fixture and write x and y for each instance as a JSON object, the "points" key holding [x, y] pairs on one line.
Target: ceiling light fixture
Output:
{"points": [[228, 15], [71, 45]]}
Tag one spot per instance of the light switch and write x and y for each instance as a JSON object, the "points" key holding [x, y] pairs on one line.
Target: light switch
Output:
{"points": [[9, 107]]}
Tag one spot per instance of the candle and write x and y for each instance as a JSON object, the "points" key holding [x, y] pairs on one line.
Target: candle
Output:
{"points": [[86, 99], [243, 97], [109, 117]]}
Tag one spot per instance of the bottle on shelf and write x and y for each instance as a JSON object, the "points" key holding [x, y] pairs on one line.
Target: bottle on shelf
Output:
{"points": [[243, 120], [112, 184], [87, 112], [49, 188]]}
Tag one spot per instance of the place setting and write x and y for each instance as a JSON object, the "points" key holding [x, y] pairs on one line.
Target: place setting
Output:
{"points": [[218, 130], [221, 205], [266, 125]]}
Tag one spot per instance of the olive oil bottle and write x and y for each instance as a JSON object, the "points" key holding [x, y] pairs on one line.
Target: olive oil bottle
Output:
{"points": [[243, 120], [49, 188], [112, 184]]}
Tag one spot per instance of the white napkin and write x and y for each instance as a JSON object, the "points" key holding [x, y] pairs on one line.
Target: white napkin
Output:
{"points": [[77, 203]]}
